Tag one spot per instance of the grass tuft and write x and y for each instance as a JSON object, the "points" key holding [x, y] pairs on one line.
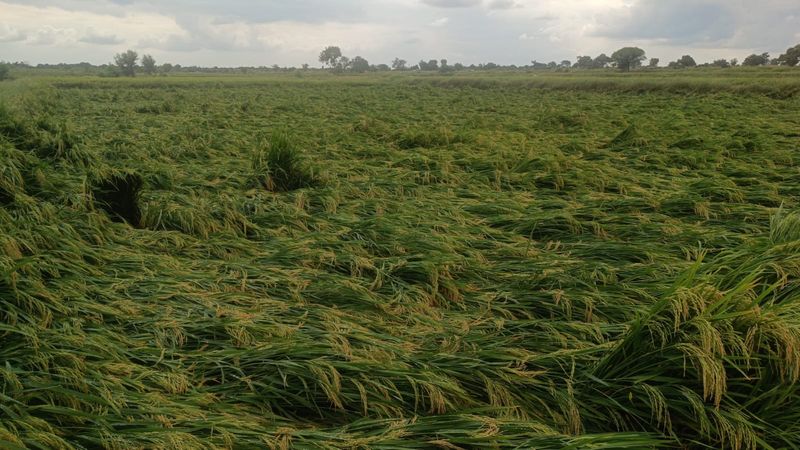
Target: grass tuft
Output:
{"points": [[630, 137], [785, 227], [280, 167]]}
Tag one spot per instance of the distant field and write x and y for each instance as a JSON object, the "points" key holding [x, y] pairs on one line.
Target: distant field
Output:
{"points": [[484, 260]]}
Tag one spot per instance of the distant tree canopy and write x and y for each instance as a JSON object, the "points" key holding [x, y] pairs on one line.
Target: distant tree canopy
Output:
{"points": [[687, 61], [683, 62], [584, 62], [756, 60], [602, 61], [625, 59], [330, 56], [628, 58], [359, 65], [148, 64], [429, 66], [4, 72], [791, 58], [126, 62], [399, 64]]}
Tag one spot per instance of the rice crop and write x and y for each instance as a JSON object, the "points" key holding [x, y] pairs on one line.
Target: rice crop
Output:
{"points": [[386, 262]]}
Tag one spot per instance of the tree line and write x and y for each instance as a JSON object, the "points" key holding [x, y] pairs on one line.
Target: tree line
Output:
{"points": [[625, 59]]}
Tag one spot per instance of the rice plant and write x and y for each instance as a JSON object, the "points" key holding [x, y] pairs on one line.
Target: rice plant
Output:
{"points": [[474, 272], [279, 166]]}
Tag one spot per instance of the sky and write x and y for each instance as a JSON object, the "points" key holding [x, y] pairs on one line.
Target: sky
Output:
{"points": [[233, 33]]}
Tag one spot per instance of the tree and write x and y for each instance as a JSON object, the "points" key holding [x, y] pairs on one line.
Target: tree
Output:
{"points": [[566, 64], [445, 67], [382, 68], [148, 64], [653, 63], [723, 63], [687, 61], [584, 62], [552, 65], [166, 68], [734, 62], [343, 64], [602, 61], [127, 62], [429, 66], [628, 58], [791, 58], [4, 69], [330, 56], [684, 62], [399, 64], [359, 65], [756, 60]]}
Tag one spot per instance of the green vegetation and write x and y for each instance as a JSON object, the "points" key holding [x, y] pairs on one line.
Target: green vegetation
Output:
{"points": [[390, 261], [4, 71]]}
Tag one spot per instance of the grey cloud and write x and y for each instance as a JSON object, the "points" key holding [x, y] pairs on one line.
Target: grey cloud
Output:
{"points": [[452, 3], [677, 22], [504, 4], [101, 39], [267, 11]]}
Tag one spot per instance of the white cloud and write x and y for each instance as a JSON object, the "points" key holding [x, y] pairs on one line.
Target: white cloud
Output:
{"points": [[57, 27], [440, 22], [10, 33]]}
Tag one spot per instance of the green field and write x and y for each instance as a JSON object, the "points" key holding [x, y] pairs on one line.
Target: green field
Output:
{"points": [[512, 260]]}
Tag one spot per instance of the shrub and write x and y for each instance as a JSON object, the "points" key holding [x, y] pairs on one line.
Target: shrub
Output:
{"points": [[279, 167]]}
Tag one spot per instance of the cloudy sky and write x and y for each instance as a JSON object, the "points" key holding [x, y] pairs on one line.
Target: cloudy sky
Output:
{"points": [[292, 32]]}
